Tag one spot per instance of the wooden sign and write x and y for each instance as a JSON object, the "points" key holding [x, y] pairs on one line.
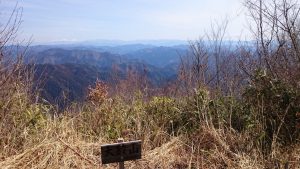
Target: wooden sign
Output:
{"points": [[120, 152]]}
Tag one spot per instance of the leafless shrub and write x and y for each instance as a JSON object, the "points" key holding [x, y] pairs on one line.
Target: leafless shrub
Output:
{"points": [[15, 84], [212, 62], [277, 33], [98, 94]]}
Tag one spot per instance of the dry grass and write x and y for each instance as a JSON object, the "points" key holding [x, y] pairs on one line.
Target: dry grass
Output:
{"points": [[73, 140], [59, 145]]}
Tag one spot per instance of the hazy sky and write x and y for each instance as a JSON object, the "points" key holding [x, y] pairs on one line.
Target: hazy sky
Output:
{"points": [[78, 20]]}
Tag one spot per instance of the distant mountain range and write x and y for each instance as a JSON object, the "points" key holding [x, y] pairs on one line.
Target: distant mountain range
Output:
{"points": [[65, 72], [112, 43]]}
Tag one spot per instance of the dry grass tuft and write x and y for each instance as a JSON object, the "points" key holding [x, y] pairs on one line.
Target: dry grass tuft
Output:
{"points": [[59, 145], [56, 154]]}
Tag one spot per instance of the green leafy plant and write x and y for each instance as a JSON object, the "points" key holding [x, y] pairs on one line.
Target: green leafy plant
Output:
{"points": [[275, 105]]}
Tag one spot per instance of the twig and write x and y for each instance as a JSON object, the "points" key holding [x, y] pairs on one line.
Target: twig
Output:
{"points": [[77, 153]]}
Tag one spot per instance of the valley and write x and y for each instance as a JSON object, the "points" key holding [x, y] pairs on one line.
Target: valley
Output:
{"points": [[64, 73]]}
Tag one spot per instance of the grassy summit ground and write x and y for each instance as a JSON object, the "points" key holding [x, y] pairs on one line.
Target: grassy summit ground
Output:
{"points": [[191, 131]]}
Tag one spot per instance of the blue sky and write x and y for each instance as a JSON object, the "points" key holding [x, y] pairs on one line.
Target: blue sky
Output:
{"points": [[79, 20]]}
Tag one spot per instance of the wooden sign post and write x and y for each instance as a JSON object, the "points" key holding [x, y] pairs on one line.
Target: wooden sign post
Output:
{"points": [[120, 152], [121, 164]]}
